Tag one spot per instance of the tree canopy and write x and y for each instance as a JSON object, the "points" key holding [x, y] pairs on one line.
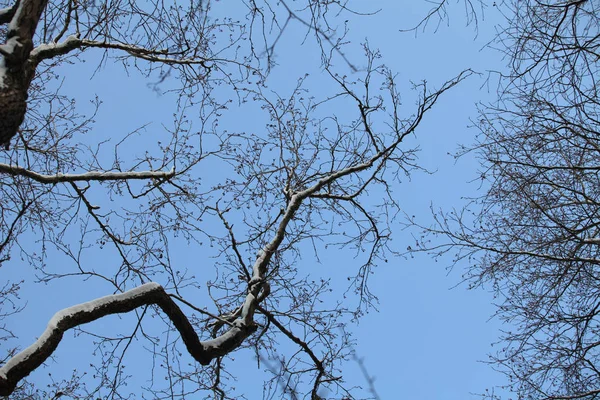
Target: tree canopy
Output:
{"points": [[248, 205], [205, 238], [533, 233]]}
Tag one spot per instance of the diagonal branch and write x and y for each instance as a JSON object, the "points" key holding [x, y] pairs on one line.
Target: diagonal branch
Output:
{"points": [[305, 347], [6, 14], [13, 225]]}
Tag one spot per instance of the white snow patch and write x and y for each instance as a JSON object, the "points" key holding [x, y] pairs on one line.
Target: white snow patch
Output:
{"points": [[51, 46], [13, 25], [83, 307], [9, 47], [42, 47], [2, 71], [94, 304]]}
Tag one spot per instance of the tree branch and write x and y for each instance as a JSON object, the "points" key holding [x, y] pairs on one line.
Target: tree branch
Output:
{"points": [[318, 363], [21, 29], [73, 42], [6, 14], [88, 176], [32, 357]]}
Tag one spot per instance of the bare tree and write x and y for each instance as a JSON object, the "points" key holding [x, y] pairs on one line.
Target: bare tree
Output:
{"points": [[534, 233], [293, 190]]}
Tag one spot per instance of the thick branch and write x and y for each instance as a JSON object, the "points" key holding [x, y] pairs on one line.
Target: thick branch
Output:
{"points": [[50, 50], [32, 357], [21, 30], [88, 176], [6, 14], [14, 76]]}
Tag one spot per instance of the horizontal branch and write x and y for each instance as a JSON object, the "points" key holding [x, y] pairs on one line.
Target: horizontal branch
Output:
{"points": [[49, 50], [32, 357], [591, 394], [547, 167], [88, 176], [72, 42]]}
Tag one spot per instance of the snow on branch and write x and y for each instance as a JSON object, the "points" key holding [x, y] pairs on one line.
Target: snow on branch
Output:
{"points": [[88, 176], [32, 357], [50, 50], [22, 27], [6, 14]]}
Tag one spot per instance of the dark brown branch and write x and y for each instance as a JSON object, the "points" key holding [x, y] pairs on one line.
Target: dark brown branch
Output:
{"points": [[6, 14], [13, 225], [591, 393], [293, 338], [73, 42], [234, 242], [91, 210]]}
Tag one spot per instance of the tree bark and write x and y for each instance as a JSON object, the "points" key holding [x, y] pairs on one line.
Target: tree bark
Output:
{"points": [[22, 364], [15, 71]]}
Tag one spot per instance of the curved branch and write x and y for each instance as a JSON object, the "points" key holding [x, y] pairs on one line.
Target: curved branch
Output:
{"points": [[88, 176], [32, 357]]}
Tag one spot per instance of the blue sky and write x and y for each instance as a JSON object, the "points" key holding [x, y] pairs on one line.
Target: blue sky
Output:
{"points": [[427, 340]]}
